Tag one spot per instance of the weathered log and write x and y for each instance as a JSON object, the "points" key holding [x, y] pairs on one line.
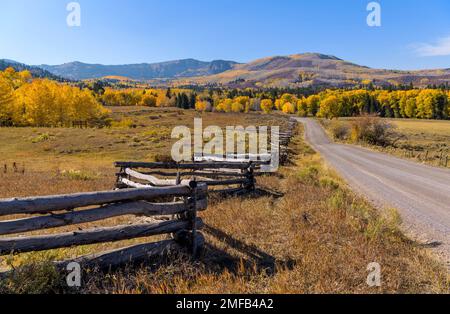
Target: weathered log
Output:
{"points": [[189, 174], [98, 235], [229, 191], [46, 204], [230, 160], [106, 261], [225, 182], [208, 182], [195, 166], [140, 208], [153, 180], [129, 255]]}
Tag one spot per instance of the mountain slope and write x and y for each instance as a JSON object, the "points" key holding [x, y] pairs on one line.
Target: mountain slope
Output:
{"points": [[313, 69], [35, 71], [144, 71]]}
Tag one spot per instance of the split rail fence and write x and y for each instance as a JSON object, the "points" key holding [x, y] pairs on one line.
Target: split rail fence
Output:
{"points": [[60, 210], [176, 191]]}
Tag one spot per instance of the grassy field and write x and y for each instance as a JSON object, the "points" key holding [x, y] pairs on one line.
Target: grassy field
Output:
{"points": [[318, 238], [426, 141]]}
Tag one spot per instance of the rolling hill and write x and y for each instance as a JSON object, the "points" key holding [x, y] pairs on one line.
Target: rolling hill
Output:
{"points": [[35, 71], [314, 69], [143, 71]]}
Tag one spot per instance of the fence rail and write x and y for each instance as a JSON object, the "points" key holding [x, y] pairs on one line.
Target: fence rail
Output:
{"points": [[60, 210], [231, 177]]}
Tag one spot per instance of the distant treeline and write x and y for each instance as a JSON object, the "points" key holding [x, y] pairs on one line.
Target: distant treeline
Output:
{"points": [[414, 103]]}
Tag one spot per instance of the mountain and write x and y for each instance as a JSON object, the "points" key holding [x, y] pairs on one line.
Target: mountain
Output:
{"points": [[315, 69], [299, 70], [143, 71], [35, 71]]}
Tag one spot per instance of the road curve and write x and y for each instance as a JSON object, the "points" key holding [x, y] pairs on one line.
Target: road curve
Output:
{"points": [[419, 192]]}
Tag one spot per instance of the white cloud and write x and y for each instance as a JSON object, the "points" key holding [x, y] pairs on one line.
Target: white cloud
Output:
{"points": [[439, 48]]}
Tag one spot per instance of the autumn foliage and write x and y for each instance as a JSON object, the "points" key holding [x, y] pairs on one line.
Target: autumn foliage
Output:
{"points": [[42, 102], [329, 104]]}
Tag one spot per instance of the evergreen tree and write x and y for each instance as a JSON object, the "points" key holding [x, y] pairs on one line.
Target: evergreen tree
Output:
{"points": [[192, 100]]}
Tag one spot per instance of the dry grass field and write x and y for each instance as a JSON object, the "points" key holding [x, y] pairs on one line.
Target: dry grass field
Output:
{"points": [[318, 238], [425, 141]]}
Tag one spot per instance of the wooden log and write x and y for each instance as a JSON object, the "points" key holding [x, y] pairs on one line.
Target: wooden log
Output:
{"points": [[215, 174], [140, 208], [228, 191], [153, 180], [98, 235], [194, 166], [129, 255], [220, 159], [46, 204], [225, 182], [190, 174], [208, 182], [247, 157]]}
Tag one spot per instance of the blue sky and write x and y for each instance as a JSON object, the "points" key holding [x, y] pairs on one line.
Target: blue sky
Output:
{"points": [[414, 34]]}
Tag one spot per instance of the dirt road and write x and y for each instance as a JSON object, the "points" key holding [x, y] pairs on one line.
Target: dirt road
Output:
{"points": [[420, 193]]}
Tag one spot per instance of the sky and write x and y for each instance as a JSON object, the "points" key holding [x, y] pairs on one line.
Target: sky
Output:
{"points": [[414, 34]]}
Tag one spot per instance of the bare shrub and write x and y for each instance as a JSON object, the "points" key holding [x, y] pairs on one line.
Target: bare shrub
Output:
{"points": [[340, 131], [374, 130]]}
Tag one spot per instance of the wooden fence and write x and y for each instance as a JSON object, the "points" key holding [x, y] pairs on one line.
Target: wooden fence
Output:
{"points": [[220, 177], [230, 174], [176, 190], [57, 211]]}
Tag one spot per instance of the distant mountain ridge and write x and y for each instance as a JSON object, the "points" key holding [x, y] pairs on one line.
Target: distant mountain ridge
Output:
{"points": [[315, 69], [293, 71], [35, 71], [143, 71]]}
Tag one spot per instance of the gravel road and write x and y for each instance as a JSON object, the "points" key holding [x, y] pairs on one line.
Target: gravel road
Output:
{"points": [[420, 193]]}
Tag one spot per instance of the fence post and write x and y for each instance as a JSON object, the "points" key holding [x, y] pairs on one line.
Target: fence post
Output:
{"points": [[120, 175], [194, 219], [250, 185]]}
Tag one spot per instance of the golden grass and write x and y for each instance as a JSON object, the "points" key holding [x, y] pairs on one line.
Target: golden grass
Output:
{"points": [[423, 127], [425, 141], [318, 238]]}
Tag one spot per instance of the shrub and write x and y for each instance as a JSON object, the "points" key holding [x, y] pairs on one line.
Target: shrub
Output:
{"points": [[41, 138], [289, 108], [309, 174], [203, 106], [267, 105], [237, 107], [340, 131], [327, 182], [148, 100], [373, 130], [78, 175], [123, 124]]}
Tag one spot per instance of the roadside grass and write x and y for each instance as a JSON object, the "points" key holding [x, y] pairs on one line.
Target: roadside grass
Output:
{"points": [[425, 141], [318, 238]]}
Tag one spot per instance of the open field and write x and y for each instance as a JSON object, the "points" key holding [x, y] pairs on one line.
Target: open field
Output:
{"points": [[318, 238], [426, 141]]}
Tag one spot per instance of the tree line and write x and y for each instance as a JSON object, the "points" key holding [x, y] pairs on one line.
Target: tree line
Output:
{"points": [[414, 103], [25, 101]]}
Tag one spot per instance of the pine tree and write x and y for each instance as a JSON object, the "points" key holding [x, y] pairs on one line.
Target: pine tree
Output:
{"points": [[192, 100]]}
